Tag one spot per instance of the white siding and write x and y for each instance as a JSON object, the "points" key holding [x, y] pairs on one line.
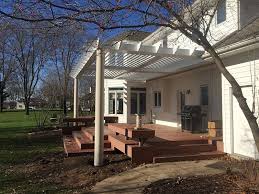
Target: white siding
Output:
{"points": [[192, 80], [217, 31], [245, 69]]}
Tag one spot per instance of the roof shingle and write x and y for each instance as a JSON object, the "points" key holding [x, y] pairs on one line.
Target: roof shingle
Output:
{"points": [[249, 31]]}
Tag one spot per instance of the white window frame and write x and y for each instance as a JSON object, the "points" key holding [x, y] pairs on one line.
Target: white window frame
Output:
{"points": [[116, 104]]}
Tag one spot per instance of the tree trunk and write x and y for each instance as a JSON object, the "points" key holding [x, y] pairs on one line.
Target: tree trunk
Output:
{"points": [[65, 106], [27, 107], [237, 92], [1, 101], [1, 96]]}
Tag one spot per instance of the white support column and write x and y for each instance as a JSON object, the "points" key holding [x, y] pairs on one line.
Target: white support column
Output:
{"points": [[99, 109], [76, 99]]}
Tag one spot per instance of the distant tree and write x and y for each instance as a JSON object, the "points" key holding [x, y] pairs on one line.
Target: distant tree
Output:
{"points": [[14, 88], [6, 60], [51, 90], [30, 51], [87, 93], [66, 46]]}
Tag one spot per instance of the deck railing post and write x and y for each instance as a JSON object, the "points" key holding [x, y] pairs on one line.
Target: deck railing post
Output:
{"points": [[76, 103], [99, 109]]}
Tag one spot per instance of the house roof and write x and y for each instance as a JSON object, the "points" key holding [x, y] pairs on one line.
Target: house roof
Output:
{"points": [[133, 35], [247, 32]]}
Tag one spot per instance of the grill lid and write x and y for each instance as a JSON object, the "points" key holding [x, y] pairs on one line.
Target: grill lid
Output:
{"points": [[191, 109]]}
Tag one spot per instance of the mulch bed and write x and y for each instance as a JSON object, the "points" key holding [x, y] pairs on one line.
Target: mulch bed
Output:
{"points": [[75, 173], [234, 183]]}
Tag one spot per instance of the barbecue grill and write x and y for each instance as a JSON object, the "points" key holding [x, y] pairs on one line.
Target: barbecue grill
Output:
{"points": [[191, 118]]}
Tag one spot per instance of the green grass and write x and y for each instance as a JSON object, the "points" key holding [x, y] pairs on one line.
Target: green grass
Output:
{"points": [[17, 148], [13, 123]]}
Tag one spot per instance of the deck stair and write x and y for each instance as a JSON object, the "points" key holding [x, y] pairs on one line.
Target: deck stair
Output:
{"points": [[158, 150], [89, 132], [85, 143], [186, 157], [121, 143], [154, 150], [81, 142]]}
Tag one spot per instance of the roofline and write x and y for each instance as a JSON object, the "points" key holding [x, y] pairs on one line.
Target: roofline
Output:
{"points": [[163, 30], [236, 48], [224, 52]]}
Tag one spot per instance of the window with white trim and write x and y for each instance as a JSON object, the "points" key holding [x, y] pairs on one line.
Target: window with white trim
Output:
{"points": [[222, 11], [138, 101], [157, 99], [115, 101]]}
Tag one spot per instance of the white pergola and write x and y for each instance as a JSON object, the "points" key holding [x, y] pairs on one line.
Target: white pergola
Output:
{"points": [[131, 61]]}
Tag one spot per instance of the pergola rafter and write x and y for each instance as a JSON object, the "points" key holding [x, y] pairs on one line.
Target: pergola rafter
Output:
{"points": [[134, 58]]}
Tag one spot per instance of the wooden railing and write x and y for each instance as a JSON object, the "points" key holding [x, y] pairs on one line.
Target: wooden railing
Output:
{"points": [[87, 121]]}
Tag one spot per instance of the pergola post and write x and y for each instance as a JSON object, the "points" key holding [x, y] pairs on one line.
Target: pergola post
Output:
{"points": [[76, 99], [99, 109]]}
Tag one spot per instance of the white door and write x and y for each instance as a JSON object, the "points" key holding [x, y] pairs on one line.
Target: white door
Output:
{"points": [[243, 140]]}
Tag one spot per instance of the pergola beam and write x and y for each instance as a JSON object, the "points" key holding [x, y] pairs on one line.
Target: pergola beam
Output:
{"points": [[76, 98]]}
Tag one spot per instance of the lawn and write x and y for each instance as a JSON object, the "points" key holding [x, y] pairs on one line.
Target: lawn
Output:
{"points": [[16, 149], [38, 165]]}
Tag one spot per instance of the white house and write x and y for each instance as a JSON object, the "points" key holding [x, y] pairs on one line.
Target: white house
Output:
{"points": [[157, 75], [20, 105]]}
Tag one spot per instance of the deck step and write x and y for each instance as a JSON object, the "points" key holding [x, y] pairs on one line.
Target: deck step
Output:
{"points": [[185, 157], [155, 142], [72, 149], [89, 132], [184, 149], [120, 142], [68, 130], [85, 143]]}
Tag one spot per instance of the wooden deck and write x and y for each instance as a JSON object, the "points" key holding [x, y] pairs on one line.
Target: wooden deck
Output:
{"points": [[164, 145]]}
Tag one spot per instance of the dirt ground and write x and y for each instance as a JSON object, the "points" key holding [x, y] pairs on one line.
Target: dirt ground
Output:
{"points": [[74, 174], [234, 183]]}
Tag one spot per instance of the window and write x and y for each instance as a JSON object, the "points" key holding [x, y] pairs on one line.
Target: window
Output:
{"points": [[138, 101], [221, 12], [180, 101], [157, 99], [115, 100], [204, 95]]}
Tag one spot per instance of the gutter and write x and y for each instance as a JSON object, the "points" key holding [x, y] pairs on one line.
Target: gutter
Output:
{"points": [[157, 35], [235, 48]]}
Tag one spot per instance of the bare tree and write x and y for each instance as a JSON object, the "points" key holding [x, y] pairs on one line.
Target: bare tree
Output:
{"points": [[87, 94], [66, 44], [29, 50], [51, 90], [6, 61], [193, 20]]}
